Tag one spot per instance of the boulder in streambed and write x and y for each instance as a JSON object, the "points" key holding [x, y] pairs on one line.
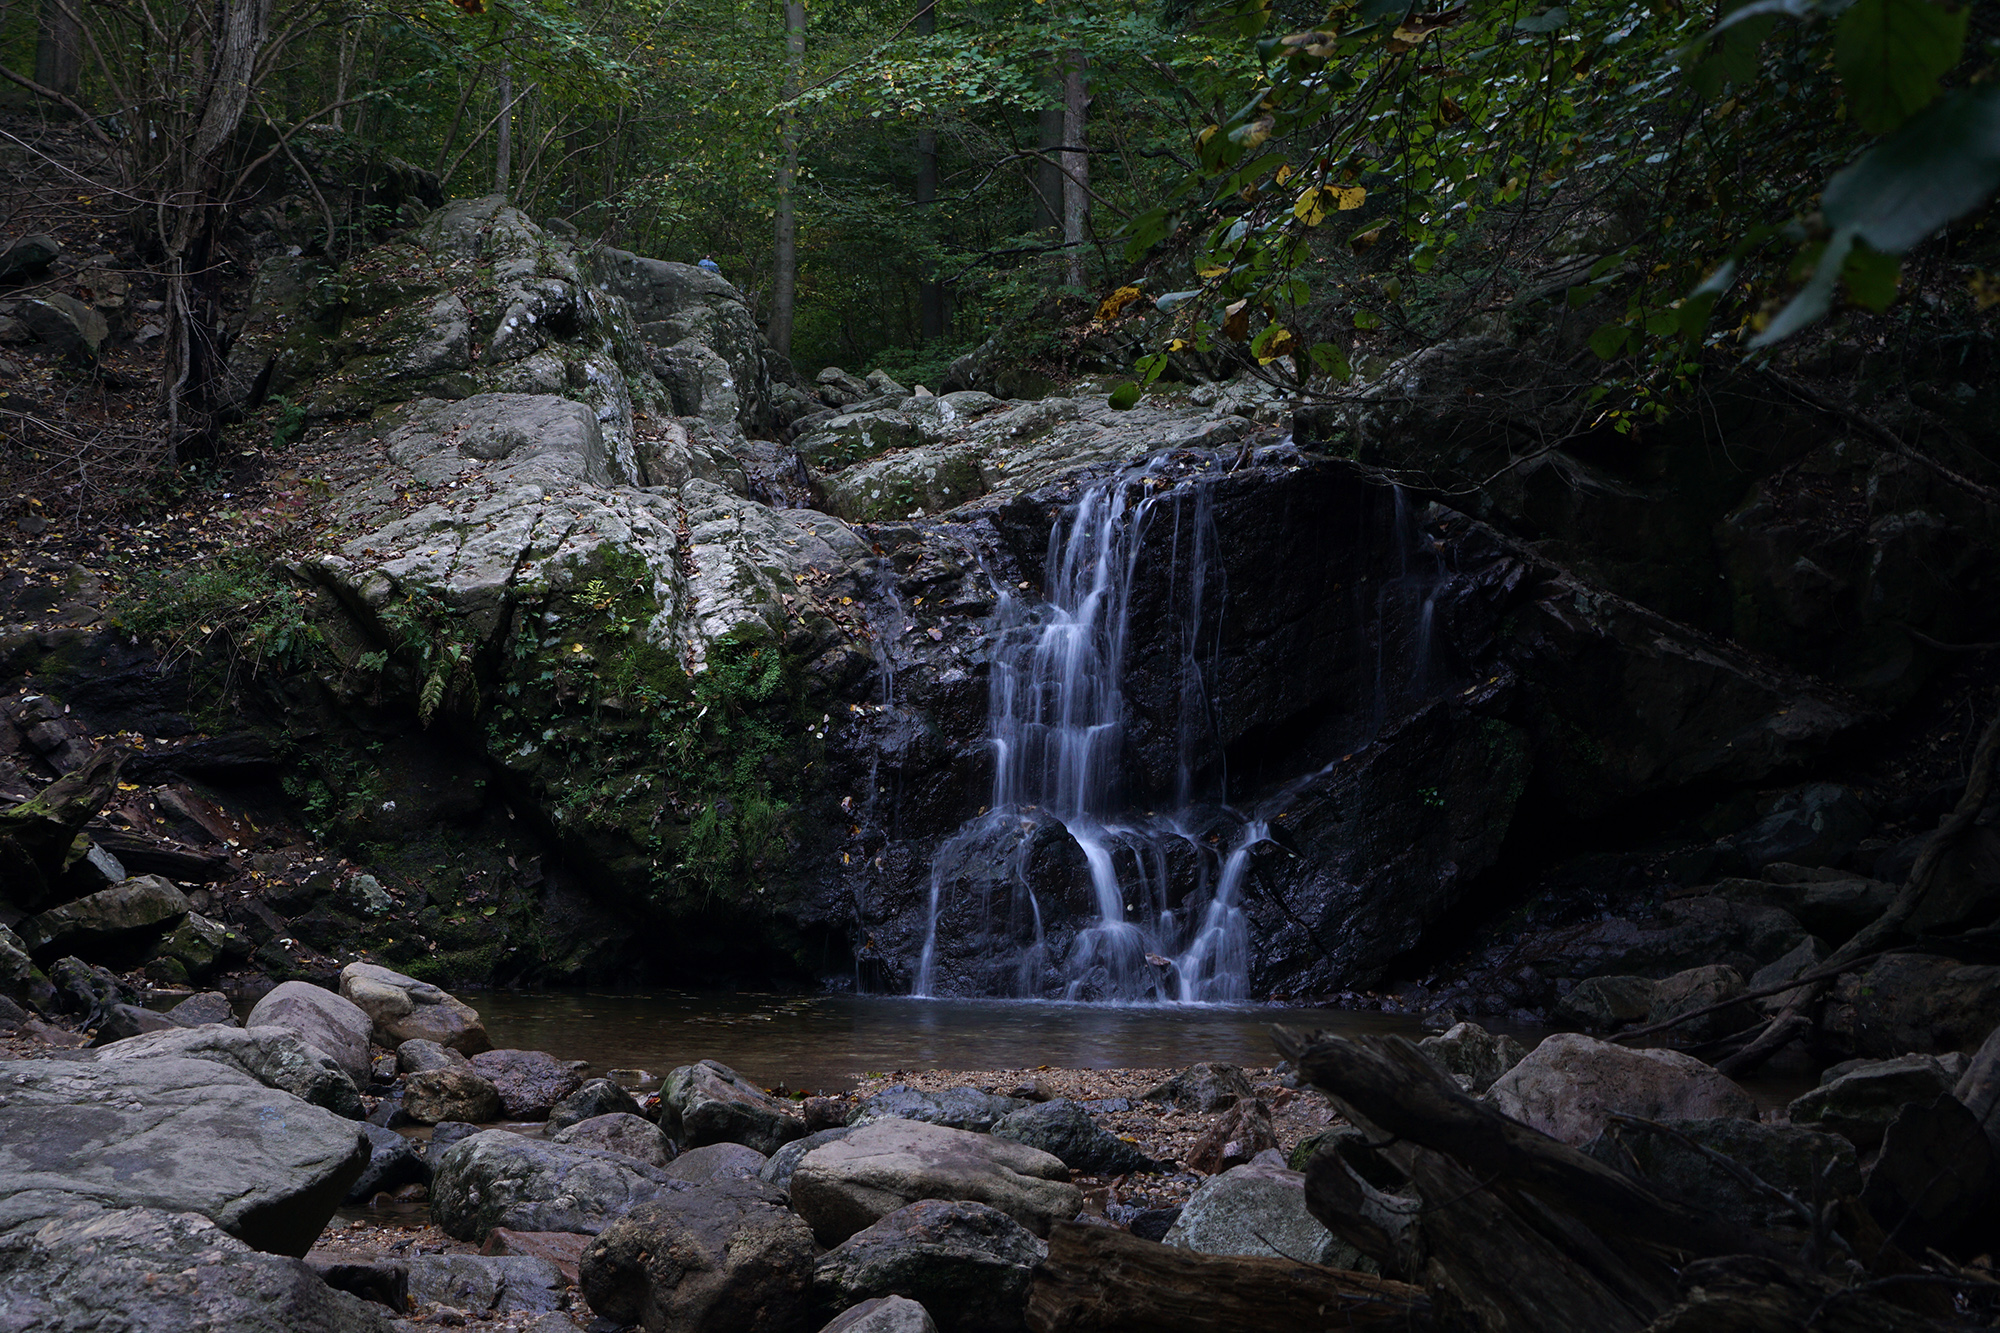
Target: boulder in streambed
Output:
{"points": [[779, 1166], [403, 1008], [530, 1082], [1912, 1002], [1859, 1103], [1979, 1087], [501, 1179], [849, 1183], [323, 1020], [1936, 1182], [392, 1161], [1062, 1127], [954, 1108], [621, 1132], [1259, 1208], [128, 915], [203, 1009], [191, 1136], [129, 1020], [1605, 1004], [484, 1284], [1472, 1055], [156, 1270], [273, 1056], [970, 1263], [434, 1096], [1568, 1085], [884, 1314], [717, 1258], [718, 1161], [1204, 1087], [419, 1054], [597, 1097], [709, 1102]]}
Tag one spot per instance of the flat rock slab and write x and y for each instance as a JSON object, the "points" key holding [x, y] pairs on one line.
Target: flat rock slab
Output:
{"points": [[564, 1249], [273, 1056], [502, 1179], [181, 1135], [954, 1108], [488, 1284], [852, 1182], [143, 1270]]}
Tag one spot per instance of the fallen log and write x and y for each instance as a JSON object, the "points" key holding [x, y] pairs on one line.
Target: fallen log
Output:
{"points": [[1101, 1280]]}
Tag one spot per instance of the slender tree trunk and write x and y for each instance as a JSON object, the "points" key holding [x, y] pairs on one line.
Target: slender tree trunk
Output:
{"points": [[1075, 163], [1048, 173], [194, 218], [930, 296], [503, 132], [350, 44], [785, 259], [59, 47]]}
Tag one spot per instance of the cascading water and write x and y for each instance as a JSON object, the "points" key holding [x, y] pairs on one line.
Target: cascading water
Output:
{"points": [[1165, 914]]}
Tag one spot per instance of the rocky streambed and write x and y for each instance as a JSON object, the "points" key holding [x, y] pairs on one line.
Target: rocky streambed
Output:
{"points": [[189, 1176]]}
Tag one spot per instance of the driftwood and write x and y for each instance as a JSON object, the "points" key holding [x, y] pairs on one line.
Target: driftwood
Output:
{"points": [[148, 856], [1510, 1230], [1101, 1280]]}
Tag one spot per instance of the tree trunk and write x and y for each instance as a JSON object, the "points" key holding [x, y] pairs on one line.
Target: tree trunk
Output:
{"points": [[192, 220], [785, 259], [1048, 171], [1075, 164], [503, 132], [1098, 1279], [59, 47], [931, 294]]}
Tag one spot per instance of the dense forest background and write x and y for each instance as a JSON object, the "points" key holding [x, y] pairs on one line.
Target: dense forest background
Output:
{"points": [[1175, 188]]}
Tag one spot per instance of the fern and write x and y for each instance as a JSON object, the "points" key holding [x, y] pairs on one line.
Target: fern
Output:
{"points": [[432, 694]]}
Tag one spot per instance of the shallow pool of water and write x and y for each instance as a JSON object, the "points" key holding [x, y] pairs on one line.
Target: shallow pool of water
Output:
{"points": [[828, 1042]]}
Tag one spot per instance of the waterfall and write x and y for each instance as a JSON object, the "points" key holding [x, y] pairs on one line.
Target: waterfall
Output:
{"points": [[1165, 918]]}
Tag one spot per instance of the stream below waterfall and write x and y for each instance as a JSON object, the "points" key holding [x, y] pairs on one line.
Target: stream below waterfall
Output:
{"points": [[827, 1042]]}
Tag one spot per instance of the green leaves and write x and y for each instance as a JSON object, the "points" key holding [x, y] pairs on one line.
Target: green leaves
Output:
{"points": [[1938, 167], [1125, 396], [1891, 54]]}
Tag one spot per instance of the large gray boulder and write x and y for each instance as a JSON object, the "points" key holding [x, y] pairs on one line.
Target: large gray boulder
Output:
{"points": [[1605, 1004], [418, 1054], [843, 1186], [529, 435], [1063, 1128], [182, 1135], [321, 1019], [156, 1270], [487, 1283], [954, 1108], [1258, 1208], [1912, 1002], [969, 1263], [630, 1135], [1569, 1084], [1859, 1104], [711, 1103], [1979, 1087], [715, 1258], [273, 1056], [778, 1167], [405, 1009], [73, 329], [392, 1161], [1472, 1055], [704, 340], [501, 1179], [126, 915], [530, 1082]]}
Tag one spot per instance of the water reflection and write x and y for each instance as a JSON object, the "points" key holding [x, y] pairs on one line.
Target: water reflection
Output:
{"points": [[830, 1042]]}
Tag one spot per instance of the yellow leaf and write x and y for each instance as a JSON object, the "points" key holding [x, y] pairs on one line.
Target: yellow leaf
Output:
{"points": [[1279, 344], [1284, 173], [1114, 304], [1177, 344], [1350, 197], [128, 786], [1310, 208], [1213, 271]]}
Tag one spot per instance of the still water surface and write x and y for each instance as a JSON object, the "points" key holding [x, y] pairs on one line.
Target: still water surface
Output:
{"points": [[827, 1042]]}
